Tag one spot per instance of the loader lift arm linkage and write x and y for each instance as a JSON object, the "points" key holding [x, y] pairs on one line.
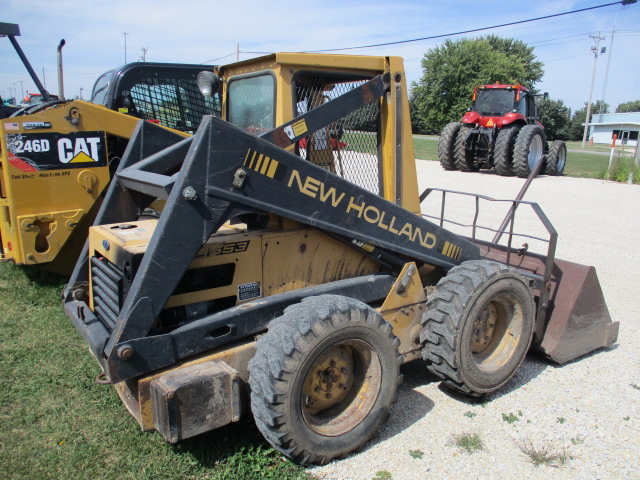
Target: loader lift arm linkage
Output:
{"points": [[228, 172]]}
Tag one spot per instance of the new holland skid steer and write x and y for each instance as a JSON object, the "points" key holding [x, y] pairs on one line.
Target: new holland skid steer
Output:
{"points": [[291, 273], [57, 157]]}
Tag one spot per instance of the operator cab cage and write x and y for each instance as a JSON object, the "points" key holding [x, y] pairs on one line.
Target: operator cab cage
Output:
{"points": [[349, 147], [164, 93], [498, 100]]}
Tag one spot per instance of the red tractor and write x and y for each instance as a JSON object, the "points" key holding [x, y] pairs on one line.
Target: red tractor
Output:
{"points": [[501, 130]]}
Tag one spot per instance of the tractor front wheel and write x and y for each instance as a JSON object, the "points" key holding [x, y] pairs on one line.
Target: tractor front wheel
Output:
{"points": [[323, 378], [446, 145], [528, 150], [556, 158], [478, 326]]}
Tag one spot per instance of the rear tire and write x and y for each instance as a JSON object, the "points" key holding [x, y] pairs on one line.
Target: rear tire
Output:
{"points": [[323, 378], [446, 145], [503, 152], [528, 149], [464, 158], [556, 158], [478, 326]]}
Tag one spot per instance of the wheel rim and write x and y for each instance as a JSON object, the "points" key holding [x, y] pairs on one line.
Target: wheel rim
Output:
{"points": [[535, 151], [562, 158], [341, 387], [497, 330]]}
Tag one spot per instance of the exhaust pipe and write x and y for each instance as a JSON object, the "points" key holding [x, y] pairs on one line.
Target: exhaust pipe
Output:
{"points": [[60, 80]]}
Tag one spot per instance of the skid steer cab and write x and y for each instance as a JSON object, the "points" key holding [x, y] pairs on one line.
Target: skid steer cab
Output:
{"points": [[58, 156], [291, 274]]}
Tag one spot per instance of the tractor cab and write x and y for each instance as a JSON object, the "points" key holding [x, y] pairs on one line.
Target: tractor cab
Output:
{"points": [[501, 105]]}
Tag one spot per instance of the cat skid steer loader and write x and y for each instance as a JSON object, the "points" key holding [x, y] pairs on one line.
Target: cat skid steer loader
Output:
{"points": [[291, 269], [58, 156]]}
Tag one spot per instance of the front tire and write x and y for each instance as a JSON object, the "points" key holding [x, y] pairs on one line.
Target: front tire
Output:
{"points": [[556, 158], [446, 145], [323, 378], [528, 150], [478, 326]]}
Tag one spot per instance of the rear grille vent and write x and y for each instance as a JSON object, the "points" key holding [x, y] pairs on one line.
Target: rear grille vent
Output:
{"points": [[107, 283]]}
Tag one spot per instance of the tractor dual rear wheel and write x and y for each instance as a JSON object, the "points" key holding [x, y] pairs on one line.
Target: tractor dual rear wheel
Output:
{"points": [[503, 151], [478, 326], [446, 145], [323, 378], [528, 150], [556, 159], [464, 157]]}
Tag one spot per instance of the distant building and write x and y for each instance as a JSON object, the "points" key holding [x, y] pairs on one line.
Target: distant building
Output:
{"points": [[625, 125]]}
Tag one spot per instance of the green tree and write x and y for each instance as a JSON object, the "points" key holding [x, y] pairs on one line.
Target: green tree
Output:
{"points": [[575, 129], [452, 69], [555, 117], [633, 106]]}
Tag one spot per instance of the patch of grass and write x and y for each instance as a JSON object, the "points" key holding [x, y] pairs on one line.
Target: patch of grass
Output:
{"points": [[633, 385], [561, 420], [627, 418], [58, 423], [426, 148], [622, 168], [416, 453], [544, 455], [382, 475], [586, 163], [469, 414], [579, 440], [468, 442], [510, 418]]}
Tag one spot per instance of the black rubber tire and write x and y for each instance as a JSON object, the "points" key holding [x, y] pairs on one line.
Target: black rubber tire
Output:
{"points": [[446, 145], [503, 150], [556, 159], [529, 147], [470, 297], [464, 159], [325, 345]]}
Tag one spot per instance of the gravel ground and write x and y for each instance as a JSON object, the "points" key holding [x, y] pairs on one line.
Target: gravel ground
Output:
{"points": [[587, 411]]}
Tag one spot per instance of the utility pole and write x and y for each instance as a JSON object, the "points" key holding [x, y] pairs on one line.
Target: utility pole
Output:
{"points": [[44, 79], [125, 47], [596, 51], [606, 75], [22, 87], [144, 54], [237, 52]]}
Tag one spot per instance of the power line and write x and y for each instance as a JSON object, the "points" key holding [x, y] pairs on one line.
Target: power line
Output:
{"points": [[519, 22]]}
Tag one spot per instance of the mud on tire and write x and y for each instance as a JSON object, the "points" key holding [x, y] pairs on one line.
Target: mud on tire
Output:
{"points": [[323, 378], [478, 326]]}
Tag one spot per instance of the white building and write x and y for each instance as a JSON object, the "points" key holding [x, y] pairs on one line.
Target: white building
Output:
{"points": [[625, 125]]}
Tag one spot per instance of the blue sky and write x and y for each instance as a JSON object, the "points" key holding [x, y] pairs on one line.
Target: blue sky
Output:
{"points": [[198, 31]]}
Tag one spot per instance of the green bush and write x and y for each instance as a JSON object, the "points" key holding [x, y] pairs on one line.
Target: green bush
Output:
{"points": [[620, 169]]}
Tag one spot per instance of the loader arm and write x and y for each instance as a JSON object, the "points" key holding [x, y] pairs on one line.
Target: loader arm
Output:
{"points": [[228, 172]]}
